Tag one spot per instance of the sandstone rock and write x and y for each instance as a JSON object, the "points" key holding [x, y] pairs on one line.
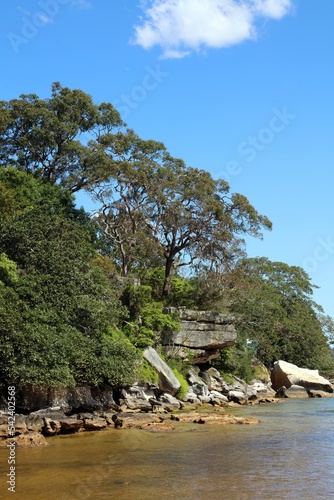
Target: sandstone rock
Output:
{"points": [[167, 380], [296, 391], [239, 384], [237, 397], [219, 396], [192, 377], [158, 427], [206, 378], [319, 394], [214, 373], [70, 424], [200, 389], [109, 418], [251, 394], [201, 316], [208, 330], [169, 402], [134, 398], [204, 356], [71, 399], [35, 422], [287, 374], [212, 418], [201, 336], [268, 400], [94, 423], [51, 427], [29, 439], [191, 398], [138, 420], [20, 425], [3, 430], [261, 388]]}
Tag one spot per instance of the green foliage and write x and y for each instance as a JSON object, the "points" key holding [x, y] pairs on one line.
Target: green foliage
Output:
{"points": [[276, 313], [147, 320], [112, 361], [180, 369], [261, 373], [46, 137], [154, 278], [8, 270], [148, 373], [183, 292], [159, 210], [61, 320], [184, 384], [236, 361], [56, 303]]}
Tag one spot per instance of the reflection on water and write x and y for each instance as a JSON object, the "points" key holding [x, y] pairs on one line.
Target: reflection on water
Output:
{"points": [[289, 455]]}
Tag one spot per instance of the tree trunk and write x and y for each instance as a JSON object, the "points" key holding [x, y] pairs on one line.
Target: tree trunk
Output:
{"points": [[167, 288]]}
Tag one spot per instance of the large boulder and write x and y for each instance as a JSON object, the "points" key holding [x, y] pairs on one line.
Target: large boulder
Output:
{"points": [[167, 380], [208, 330], [286, 374]]}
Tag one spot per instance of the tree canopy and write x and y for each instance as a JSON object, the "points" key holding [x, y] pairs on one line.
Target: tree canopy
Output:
{"points": [[277, 314], [66, 316], [58, 138], [180, 214]]}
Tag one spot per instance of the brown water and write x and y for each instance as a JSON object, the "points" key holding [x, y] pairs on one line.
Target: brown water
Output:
{"points": [[289, 455]]}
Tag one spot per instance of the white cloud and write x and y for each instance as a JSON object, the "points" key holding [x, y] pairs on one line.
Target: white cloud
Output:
{"points": [[272, 8], [180, 26]]}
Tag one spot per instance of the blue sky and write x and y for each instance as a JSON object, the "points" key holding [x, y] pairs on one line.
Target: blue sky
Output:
{"points": [[242, 89]]}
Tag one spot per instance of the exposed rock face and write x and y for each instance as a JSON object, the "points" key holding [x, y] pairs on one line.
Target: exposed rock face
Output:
{"points": [[207, 331], [136, 398], [167, 380], [71, 399], [286, 374]]}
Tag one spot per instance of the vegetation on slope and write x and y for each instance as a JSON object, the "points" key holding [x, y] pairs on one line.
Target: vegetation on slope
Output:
{"points": [[65, 318]]}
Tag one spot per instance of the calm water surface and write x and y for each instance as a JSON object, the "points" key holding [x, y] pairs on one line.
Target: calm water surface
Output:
{"points": [[289, 455]]}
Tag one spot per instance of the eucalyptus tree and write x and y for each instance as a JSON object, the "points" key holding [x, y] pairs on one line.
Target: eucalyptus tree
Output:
{"points": [[158, 207], [58, 138]]}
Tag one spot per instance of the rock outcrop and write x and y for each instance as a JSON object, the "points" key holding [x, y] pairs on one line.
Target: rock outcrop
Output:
{"points": [[286, 375], [167, 380], [70, 399], [202, 334]]}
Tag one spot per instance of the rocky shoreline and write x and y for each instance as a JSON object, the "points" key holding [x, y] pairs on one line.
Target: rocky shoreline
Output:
{"points": [[141, 406], [153, 407]]}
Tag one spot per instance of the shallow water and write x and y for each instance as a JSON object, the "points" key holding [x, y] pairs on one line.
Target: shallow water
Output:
{"points": [[289, 455]]}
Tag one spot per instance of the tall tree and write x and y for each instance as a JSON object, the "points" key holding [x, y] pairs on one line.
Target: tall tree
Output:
{"points": [[192, 218], [59, 138]]}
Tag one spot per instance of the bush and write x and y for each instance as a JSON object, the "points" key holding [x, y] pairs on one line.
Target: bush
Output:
{"points": [[147, 320], [260, 372], [184, 384], [235, 361], [148, 373]]}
